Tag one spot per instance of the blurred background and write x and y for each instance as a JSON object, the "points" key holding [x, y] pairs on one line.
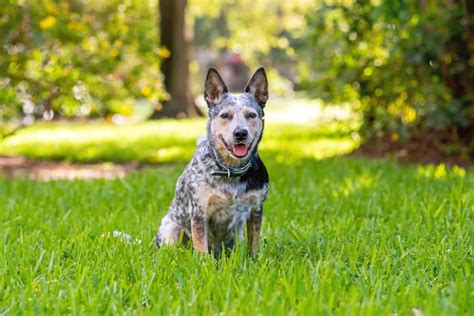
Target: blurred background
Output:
{"points": [[397, 77]]}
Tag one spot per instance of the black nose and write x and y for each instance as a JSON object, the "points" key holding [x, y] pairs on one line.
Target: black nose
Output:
{"points": [[240, 134]]}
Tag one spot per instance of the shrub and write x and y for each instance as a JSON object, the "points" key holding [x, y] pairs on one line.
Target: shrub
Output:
{"points": [[407, 66]]}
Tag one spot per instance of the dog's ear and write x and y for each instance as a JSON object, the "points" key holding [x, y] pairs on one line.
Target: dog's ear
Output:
{"points": [[214, 87], [258, 86]]}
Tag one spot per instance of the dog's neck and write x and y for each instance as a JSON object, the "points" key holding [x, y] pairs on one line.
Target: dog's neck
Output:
{"points": [[222, 169]]}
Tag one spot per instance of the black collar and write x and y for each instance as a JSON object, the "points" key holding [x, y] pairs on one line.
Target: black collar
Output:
{"points": [[226, 171]]}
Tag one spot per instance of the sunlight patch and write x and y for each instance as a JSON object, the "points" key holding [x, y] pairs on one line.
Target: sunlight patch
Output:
{"points": [[441, 171], [317, 149]]}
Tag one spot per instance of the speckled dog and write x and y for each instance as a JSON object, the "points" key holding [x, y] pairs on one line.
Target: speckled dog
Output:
{"points": [[225, 184]]}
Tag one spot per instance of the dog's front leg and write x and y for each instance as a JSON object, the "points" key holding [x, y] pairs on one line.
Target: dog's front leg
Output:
{"points": [[199, 231], [254, 225]]}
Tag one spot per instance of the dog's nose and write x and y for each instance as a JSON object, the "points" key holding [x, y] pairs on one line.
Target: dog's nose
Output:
{"points": [[240, 134]]}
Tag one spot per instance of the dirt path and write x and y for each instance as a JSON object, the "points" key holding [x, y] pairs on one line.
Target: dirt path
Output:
{"points": [[423, 150], [20, 167]]}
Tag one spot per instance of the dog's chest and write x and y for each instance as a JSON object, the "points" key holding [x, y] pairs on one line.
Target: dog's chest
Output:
{"points": [[227, 204]]}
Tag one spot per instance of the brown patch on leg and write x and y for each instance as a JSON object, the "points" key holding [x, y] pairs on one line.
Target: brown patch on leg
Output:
{"points": [[251, 198], [199, 232], [254, 225]]}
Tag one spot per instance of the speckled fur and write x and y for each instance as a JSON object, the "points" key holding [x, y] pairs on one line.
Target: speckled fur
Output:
{"points": [[212, 211]]}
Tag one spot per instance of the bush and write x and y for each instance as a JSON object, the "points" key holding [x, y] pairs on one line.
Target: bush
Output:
{"points": [[406, 66]]}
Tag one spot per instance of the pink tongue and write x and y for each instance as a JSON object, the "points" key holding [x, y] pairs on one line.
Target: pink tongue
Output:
{"points": [[240, 150]]}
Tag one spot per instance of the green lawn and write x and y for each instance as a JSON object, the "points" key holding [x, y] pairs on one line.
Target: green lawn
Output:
{"points": [[341, 235]]}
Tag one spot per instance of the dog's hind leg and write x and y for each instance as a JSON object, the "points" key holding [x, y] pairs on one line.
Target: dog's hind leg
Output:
{"points": [[169, 232]]}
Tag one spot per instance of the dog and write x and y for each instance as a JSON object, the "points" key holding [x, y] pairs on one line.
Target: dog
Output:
{"points": [[225, 184]]}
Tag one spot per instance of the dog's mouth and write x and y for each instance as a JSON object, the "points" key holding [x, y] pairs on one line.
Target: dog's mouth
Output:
{"points": [[240, 150], [237, 150]]}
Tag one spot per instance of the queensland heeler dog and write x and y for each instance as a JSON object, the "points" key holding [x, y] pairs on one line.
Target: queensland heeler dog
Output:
{"points": [[225, 184]]}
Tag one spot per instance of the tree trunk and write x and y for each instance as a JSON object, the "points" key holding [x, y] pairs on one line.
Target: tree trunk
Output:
{"points": [[175, 69]]}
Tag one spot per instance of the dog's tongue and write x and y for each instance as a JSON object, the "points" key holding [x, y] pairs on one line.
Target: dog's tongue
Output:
{"points": [[240, 150]]}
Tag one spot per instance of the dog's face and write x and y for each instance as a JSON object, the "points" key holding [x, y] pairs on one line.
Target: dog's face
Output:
{"points": [[235, 123]]}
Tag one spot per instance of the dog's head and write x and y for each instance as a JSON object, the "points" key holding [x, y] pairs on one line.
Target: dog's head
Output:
{"points": [[235, 123]]}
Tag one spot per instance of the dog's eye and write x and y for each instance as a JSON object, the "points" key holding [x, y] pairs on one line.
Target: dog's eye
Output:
{"points": [[251, 115], [225, 116]]}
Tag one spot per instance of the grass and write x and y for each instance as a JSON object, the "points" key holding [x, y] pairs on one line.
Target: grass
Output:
{"points": [[341, 235], [303, 127], [152, 143]]}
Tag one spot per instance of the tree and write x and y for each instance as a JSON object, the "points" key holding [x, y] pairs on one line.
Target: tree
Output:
{"points": [[65, 58], [175, 39]]}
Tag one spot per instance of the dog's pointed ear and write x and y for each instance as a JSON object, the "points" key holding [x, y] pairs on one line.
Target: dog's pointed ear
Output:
{"points": [[258, 86], [214, 87]]}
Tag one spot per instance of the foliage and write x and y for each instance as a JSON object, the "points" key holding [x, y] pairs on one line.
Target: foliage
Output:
{"points": [[254, 32], [77, 58], [262, 32], [340, 236], [407, 66]]}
